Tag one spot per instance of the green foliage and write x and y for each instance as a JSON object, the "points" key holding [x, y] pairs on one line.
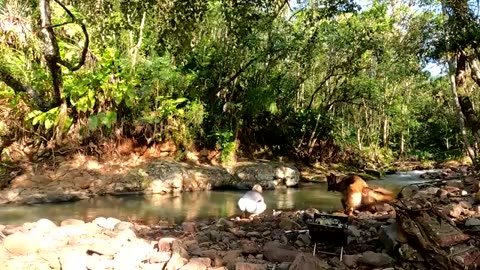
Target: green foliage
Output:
{"points": [[48, 119], [106, 119], [225, 143], [319, 83]]}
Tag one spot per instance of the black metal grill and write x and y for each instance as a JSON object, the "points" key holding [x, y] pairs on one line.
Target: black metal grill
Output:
{"points": [[328, 229]]}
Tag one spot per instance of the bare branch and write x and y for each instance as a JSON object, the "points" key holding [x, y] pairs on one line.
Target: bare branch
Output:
{"points": [[139, 43], [329, 75], [51, 26], [85, 46]]}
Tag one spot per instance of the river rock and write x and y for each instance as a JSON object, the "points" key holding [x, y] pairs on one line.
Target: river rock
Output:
{"points": [[73, 260], [288, 224], [123, 225], [230, 257], [52, 258], [350, 260], [473, 184], [306, 261], [72, 221], [249, 266], [45, 225], [166, 176], [255, 234], [249, 247], [104, 247], [388, 236], [224, 224], [442, 193], [131, 254], [266, 173], [305, 239], [179, 256], [159, 257], [165, 244], [455, 210], [472, 222], [198, 264], [354, 231], [11, 229], [283, 266], [189, 227], [44, 195], [276, 252], [23, 243], [375, 259], [431, 175]]}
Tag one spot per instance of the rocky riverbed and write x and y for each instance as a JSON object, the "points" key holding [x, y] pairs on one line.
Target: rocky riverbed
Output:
{"points": [[391, 238], [80, 177], [275, 242]]}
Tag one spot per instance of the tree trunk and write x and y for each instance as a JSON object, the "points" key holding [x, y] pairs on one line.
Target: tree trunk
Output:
{"points": [[475, 70], [402, 144], [456, 75], [52, 57], [460, 119], [471, 117], [385, 132], [359, 139], [51, 51], [313, 139], [139, 43]]}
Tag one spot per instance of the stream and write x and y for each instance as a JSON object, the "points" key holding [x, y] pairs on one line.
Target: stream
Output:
{"points": [[191, 205]]}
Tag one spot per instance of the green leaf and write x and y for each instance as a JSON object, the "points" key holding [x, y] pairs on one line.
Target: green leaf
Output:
{"points": [[111, 118], [38, 119], [68, 123], [15, 101], [49, 123], [93, 122], [180, 100], [33, 114]]}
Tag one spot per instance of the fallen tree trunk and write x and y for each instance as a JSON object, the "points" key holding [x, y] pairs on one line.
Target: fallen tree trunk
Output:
{"points": [[435, 238]]}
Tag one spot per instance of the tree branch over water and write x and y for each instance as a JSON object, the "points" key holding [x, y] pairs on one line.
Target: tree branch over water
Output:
{"points": [[85, 46]]}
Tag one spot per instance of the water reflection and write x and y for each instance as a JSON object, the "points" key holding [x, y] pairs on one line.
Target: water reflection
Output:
{"points": [[186, 206]]}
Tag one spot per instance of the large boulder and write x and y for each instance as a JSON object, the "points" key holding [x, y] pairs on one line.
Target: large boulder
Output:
{"points": [[157, 177], [165, 176], [269, 174]]}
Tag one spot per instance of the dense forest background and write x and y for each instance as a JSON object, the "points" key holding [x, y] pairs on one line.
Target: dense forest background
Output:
{"points": [[316, 80]]}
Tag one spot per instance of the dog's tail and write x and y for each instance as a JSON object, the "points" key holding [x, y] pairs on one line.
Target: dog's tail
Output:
{"points": [[379, 195]]}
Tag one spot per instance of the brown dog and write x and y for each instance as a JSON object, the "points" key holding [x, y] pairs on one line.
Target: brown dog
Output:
{"points": [[356, 192]]}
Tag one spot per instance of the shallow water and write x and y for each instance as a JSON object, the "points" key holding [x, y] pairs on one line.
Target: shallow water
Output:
{"points": [[189, 206]]}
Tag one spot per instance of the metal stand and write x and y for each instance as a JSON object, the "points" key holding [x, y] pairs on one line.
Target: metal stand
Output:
{"points": [[328, 253], [334, 234]]}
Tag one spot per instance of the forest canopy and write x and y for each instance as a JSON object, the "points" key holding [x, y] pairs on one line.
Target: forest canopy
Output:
{"points": [[317, 80]]}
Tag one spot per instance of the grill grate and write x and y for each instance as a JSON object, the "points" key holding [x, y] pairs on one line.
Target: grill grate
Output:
{"points": [[330, 230]]}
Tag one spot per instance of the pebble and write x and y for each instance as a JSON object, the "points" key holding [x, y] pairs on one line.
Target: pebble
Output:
{"points": [[472, 222], [223, 244]]}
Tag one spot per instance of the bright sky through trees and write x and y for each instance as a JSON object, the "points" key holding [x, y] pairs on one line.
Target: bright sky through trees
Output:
{"points": [[435, 69]]}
